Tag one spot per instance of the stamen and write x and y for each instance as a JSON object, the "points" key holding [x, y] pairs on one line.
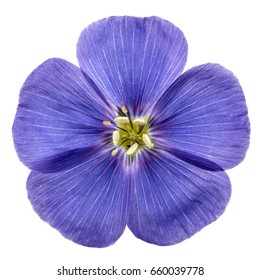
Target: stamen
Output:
{"points": [[147, 141], [130, 134], [114, 152], [116, 137], [132, 149], [140, 121], [106, 122], [121, 120], [124, 110]]}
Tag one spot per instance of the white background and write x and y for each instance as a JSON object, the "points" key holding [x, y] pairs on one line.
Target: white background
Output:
{"points": [[226, 32]]}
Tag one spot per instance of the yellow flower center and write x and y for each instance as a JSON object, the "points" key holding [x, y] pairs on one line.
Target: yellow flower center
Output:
{"points": [[131, 134]]}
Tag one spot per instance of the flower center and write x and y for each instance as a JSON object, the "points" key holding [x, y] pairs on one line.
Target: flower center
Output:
{"points": [[131, 134]]}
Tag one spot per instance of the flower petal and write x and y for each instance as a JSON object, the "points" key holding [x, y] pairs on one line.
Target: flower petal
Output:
{"points": [[132, 60], [59, 117], [204, 116], [87, 204], [171, 200]]}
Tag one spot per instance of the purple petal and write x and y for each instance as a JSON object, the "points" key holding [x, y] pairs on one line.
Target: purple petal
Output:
{"points": [[59, 118], [203, 117], [170, 200], [87, 204], [132, 60]]}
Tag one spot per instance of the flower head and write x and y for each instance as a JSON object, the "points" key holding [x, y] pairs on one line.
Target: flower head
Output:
{"points": [[126, 140]]}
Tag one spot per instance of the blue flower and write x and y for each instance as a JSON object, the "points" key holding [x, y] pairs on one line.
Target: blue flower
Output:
{"points": [[126, 139]]}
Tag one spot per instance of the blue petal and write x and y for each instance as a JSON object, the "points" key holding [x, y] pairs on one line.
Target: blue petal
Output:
{"points": [[59, 118], [87, 204], [203, 117], [132, 60], [170, 199]]}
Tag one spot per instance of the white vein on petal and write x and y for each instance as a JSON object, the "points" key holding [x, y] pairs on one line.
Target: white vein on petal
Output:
{"points": [[162, 64], [85, 100], [173, 123], [205, 136], [61, 201], [199, 108], [36, 177], [193, 151], [112, 203], [78, 96], [153, 197], [62, 105], [189, 178], [94, 75], [180, 61], [124, 56], [71, 119], [198, 87], [145, 61], [170, 68], [120, 201], [83, 199], [172, 197]]}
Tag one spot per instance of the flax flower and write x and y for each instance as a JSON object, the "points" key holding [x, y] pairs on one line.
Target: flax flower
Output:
{"points": [[126, 139]]}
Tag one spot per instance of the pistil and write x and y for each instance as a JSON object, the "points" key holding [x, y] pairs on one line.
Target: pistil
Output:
{"points": [[131, 134]]}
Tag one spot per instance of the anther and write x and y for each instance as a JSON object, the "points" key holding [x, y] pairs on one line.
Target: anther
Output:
{"points": [[140, 121], [116, 137], [124, 110], [114, 152], [147, 141], [121, 120], [132, 149], [106, 122]]}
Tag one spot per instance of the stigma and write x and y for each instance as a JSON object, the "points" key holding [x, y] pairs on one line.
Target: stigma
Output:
{"points": [[131, 135]]}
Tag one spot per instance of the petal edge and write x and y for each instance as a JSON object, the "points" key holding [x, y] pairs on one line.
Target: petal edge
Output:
{"points": [[204, 114], [134, 60]]}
